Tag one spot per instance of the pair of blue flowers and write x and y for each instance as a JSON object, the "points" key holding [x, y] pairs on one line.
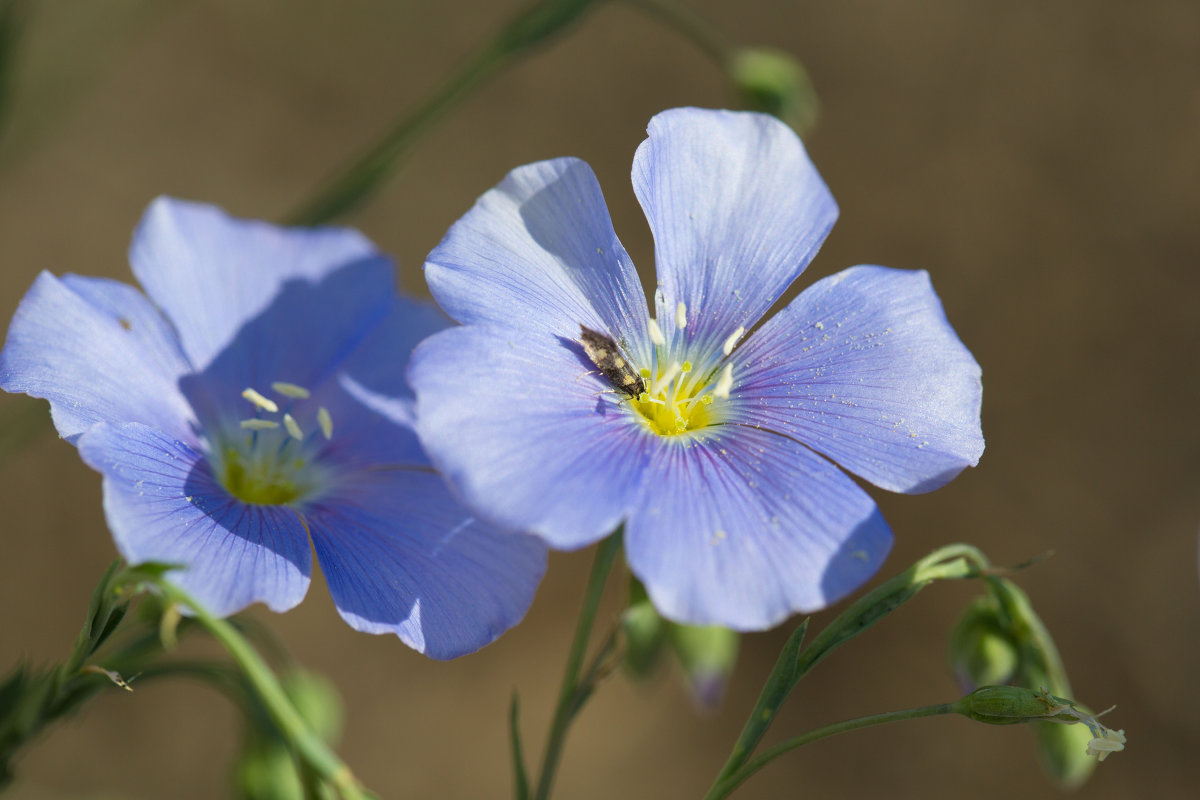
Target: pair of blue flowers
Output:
{"points": [[264, 393]]}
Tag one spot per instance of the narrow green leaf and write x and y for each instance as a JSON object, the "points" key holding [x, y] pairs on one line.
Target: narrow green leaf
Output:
{"points": [[520, 778], [779, 684]]}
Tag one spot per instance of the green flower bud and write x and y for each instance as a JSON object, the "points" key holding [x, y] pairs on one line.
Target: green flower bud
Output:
{"points": [[981, 651], [1066, 748], [645, 632], [775, 82], [1063, 753], [317, 701], [707, 654]]}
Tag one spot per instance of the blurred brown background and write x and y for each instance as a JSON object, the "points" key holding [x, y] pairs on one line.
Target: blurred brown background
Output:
{"points": [[1041, 160]]}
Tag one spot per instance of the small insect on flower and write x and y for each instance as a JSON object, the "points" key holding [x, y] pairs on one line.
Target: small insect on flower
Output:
{"points": [[607, 357]]}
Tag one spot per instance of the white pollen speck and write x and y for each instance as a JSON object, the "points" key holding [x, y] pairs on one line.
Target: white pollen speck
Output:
{"points": [[680, 316], [325, 421], [264, 403], [724, 383], [717, 537], [732, 341], [291, 390], [656, 334], [259, 424], [819, 326], [293, 427]]}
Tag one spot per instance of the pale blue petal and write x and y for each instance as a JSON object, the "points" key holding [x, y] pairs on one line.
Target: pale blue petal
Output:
{"points": [[99, 352], [401, 556], [212, 273], [163, 504], [747, 527], [530, 437], [737, 210], [864, 367], [539, 252], [302, 337]]}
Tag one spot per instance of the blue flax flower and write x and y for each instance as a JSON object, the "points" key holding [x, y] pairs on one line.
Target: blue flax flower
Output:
{"points": [[253, 400], [712, 441]]}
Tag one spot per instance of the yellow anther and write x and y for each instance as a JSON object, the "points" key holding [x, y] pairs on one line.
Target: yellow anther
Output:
{"points": [[681, 316], [732, 341], [685, 366], [656, 334], [259, 424], [291, 390], [724, 383], [293, 427], [264, 403], [325, 421]]}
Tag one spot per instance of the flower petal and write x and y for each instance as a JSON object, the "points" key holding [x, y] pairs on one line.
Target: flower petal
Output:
{"points": [[865, 368], [163, 504], [369, 392], [527, 434], [737, 211], [747, 527], [212, 273], [302, 337], [402, 556], [539, 252], [99, 352]]}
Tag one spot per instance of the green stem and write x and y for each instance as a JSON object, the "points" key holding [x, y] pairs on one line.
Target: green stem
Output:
{"points": [[724, 786], [529, 28], [568, 694], [699, 31], [307, 743]]}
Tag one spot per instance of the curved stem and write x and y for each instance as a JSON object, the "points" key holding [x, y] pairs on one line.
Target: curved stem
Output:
{"points": [[723, 787], [573, 690], [702, 33], [307, 743]]}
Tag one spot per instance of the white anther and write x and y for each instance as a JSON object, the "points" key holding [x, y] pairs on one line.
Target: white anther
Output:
{"points": [[656, 334], [325, 421], [291, 390], [681, 316], [732, 341], [724, 383], [264, 403], [293, 427], [259, 424]]}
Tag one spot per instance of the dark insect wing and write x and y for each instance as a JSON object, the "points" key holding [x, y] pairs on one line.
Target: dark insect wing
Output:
{"points": [[607, 357]]}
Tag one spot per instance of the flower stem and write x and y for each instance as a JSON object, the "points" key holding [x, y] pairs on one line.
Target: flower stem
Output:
{"points": [[307, 743], [524, 31], [724, 786], [572, 691]]}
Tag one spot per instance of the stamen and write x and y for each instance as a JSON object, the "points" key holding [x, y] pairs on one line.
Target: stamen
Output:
{"points": [[291, 390], [685, 367], [325, 421], [293, 427], [681, 316], [656, 334], [667, 377], [262, 402], [259, 424], [724, 383], [732, 341]]}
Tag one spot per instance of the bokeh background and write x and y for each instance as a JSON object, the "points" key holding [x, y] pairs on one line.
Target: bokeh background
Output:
{"points": [[1041, 160]]}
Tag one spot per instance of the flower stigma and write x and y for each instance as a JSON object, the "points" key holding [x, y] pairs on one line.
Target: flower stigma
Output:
{"points": [[264, 461], [682, 397]]}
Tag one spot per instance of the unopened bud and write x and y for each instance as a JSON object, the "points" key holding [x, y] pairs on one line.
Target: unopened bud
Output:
{"points": [[707, 654], [981, 651], [775, 82], [645, 633]]}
